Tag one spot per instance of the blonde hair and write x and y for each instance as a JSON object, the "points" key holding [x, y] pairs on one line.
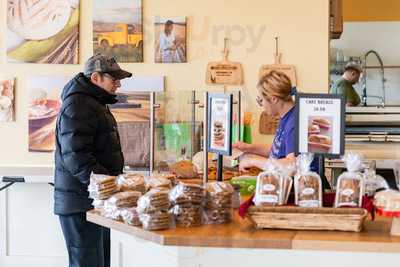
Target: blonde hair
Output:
{"points": [[275, 83]]}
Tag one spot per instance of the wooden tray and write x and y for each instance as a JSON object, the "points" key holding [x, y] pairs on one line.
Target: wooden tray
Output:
{"points": [[296, 218]]}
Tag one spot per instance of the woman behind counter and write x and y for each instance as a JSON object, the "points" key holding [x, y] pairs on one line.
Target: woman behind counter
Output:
{"points": [[274, 96]]}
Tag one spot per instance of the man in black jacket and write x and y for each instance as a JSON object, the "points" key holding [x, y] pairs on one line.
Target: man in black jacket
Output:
{"points": [[87, 141]]}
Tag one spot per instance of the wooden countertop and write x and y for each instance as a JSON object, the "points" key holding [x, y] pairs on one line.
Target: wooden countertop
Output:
{"points": [[240, 234]]}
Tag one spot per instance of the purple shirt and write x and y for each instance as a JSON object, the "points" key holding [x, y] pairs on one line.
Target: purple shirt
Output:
{"points": [[284, 143]]}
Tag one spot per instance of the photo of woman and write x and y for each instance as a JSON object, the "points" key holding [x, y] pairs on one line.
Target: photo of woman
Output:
{"points": [[6, 100], [170, 40]]}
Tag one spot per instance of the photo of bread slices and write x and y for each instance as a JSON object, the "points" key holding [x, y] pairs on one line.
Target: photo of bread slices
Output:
{"points": [[322, 123], [319, 142]]}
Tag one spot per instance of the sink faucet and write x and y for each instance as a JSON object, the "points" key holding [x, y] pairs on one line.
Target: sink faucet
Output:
{"points": [[364, 95]]}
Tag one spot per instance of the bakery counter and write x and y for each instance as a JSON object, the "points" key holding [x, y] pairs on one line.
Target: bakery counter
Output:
{"points": [[208, 244]]}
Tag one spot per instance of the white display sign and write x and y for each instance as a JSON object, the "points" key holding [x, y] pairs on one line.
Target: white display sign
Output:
{"points": [[320, 124]]}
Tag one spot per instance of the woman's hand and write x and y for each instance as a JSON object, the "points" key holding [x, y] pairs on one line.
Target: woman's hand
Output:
{"points": [[250, 160], [244, 147]]}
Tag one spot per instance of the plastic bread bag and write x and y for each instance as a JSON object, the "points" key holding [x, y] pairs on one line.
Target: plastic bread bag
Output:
{"points": [[219, 195], [185, 193], [98, 204], [156, 200], [158, 182], [307, 184], [187, 215], [156, 221], [373, 181], [218, 207], [350, 184], [125, 199], [102, 186], [130, 216], [388, 200], [111, 211], [131, 182], [269, 186], [217, 216], [286, 172]]}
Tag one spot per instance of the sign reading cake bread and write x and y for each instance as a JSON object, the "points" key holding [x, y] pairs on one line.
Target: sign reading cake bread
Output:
{"points": [[320, 120]]}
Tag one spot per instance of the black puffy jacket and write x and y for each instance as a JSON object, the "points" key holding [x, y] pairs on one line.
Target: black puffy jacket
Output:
{"points": [[87, 141]]}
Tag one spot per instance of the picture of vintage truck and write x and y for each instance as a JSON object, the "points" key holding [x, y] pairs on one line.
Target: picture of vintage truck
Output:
{"points": [[123, 34]]}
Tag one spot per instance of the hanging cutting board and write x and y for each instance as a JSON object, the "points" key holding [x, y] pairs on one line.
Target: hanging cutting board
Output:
{"points": [[289, 70], [224, 72], [268, 124]]}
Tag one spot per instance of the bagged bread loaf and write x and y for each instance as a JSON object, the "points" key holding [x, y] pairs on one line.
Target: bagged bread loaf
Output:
{"points": [[269, 186], [350, 184], [102, 186], [307, 184]]}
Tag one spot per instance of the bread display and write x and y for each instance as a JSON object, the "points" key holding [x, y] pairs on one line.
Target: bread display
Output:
{"points": [[308, 191], [158, 182], [132, 182], [349, 191], [156, 200], [184, 169], [156, 221], [350, 185], [218, 207], [130, 216], [102, 186], [185, 193], [388, 200], [268, 189], [125, 199]]}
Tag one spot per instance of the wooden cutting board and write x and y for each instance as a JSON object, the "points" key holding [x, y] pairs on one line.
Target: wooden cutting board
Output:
{"points": [[268, 124], [224, 72], [289, 70]]}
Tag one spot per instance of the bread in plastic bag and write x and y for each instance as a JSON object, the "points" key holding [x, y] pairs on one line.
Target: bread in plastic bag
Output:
{"points": [[373, 181], [187, 215], [125, 199], [102, 186], [155, 200], [158, 182], [156, 221], [269, 186], [186, 193], [130, 216], [218, 207], [350, 184], [131, 182], [308, 184], [388, 200]]}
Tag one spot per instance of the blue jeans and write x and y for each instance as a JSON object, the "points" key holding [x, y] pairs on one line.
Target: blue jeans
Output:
{"points": [[88, 244]]}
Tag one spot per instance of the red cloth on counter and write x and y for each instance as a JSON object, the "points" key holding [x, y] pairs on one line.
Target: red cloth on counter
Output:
{"points": [[388, 213], [328, 200]]}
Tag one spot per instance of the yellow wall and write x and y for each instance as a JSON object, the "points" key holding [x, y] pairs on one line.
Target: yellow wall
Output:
{"points": [[301, 25], [371, 10]]}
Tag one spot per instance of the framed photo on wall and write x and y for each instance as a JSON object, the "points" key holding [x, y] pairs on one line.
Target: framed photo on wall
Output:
{"points": [[118, 29], [220, 123], [170, 40], [320, 123]]}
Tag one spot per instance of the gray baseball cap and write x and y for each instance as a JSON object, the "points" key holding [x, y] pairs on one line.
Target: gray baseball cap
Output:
{"points": [[102, 63], [353, 66]]}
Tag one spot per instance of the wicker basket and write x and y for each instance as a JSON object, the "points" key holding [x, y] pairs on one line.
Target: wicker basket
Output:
{"points": [[296, 218]]}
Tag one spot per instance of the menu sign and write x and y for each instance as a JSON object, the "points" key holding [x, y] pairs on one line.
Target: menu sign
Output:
{"points": [[320, 124], [220, 123]]}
